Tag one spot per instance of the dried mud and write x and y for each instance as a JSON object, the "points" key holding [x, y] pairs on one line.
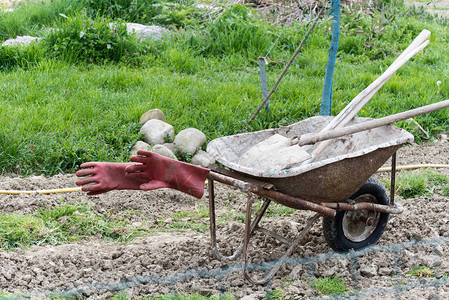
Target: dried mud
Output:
{"points": [[182, 261]]}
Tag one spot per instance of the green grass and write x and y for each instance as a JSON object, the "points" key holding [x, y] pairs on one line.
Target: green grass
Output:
{"points": [[329, 285], [420, 272], [57, 114], [61, 224], [419, 183], [445, 191]]}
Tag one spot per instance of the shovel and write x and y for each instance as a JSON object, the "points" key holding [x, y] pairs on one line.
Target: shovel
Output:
{"points": [[278, 152]]}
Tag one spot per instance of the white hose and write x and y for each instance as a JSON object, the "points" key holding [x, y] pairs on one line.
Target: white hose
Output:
{"points": [[54, 191]]}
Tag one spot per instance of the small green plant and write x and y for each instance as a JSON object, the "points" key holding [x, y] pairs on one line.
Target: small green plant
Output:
{"points": [[445, 191], [279, 210], [419, 183], [411, 185], [420, 272], [280, 293], [168, 138], [183, 155], [196, 220], [329, 285]]}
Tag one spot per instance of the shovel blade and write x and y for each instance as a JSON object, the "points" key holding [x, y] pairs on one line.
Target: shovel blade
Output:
{"points": [[274, 154]]}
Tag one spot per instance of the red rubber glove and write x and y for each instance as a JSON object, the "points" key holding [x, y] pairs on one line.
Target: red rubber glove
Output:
{"points": [[162, 172], [102, 177]]}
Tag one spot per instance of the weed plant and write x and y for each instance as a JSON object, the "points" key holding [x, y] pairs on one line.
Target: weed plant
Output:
{"points": [[82, 39], [420, 272], [329, 285], [419, 183], [78, 95]]}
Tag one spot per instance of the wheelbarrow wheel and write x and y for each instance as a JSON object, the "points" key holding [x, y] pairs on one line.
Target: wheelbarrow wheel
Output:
{"points": [[358, 229]]}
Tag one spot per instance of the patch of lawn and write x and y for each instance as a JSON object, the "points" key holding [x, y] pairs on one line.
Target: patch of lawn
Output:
{"points": [[329, 285], [64, 223], [419, 183]]}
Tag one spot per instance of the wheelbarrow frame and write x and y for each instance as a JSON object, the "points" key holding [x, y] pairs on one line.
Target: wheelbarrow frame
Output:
{"points": [[251, 186]]}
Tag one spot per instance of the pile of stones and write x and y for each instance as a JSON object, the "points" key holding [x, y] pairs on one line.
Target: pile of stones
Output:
{"points": [[159, 137]]}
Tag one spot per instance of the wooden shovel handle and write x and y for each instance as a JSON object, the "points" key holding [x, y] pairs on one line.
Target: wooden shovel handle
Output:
{"points": [[311, 138]]}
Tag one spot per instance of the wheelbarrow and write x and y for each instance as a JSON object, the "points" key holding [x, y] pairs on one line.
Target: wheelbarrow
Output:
{"points": [[337, 185]]}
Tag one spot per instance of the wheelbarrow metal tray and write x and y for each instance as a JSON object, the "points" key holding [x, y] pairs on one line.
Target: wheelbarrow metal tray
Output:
{"points": [[337, 173]]}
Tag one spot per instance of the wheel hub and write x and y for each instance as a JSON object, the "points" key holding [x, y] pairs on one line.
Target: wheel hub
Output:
{"points": [[359, 225]]}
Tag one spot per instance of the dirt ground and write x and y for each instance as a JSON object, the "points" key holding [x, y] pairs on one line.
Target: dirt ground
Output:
{"points": [[439, 8], [182, 261]]}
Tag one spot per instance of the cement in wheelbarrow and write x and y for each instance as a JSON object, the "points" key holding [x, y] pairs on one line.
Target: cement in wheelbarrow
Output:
{"points": [[337, 173]]}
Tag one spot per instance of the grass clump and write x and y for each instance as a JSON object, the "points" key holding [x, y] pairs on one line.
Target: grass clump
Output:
{"points": [[329, 285], [196, 220], [165, 13], [92, 40], [236, 31], [64, 223], [420, 272], [419, 183], [445, 191], [13, 57]]}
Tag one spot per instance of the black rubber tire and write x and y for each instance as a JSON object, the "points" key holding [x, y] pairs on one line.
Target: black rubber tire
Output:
{"points": [[333, 226]]}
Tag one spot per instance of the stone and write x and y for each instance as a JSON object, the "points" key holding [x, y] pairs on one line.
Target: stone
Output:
{"points": [[152, 114], [202, 158], [146, 32], [139, 145], [170, 146], [189, 140], [21, 41], [156, 131], [368, 270], [164, 151]]}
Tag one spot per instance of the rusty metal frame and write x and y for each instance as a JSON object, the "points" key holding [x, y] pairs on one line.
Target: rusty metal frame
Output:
{"points": [[266, 190], [213, 227]]}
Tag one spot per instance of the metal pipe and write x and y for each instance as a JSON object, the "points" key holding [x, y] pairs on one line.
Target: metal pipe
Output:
{"points": [[393, 178], [283, 259], [389, 209], [280, 198]]}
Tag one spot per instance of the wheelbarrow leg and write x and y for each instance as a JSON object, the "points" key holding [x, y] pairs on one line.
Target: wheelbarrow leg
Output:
{"points": [[393, 179], [213, 232], [283, 259]]}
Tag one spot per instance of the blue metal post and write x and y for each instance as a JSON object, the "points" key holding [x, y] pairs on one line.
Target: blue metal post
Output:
{"points": [[326, 98]]}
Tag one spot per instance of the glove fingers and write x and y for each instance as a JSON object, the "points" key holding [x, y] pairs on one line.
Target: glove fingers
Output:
{"points": [[90, 164], [145, 153], [87, 180], [92, 187], [138, 159], [85, 172]]}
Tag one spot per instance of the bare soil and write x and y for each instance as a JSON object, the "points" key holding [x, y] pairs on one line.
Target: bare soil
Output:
{"points": [[182, 261], [439, 8]]}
